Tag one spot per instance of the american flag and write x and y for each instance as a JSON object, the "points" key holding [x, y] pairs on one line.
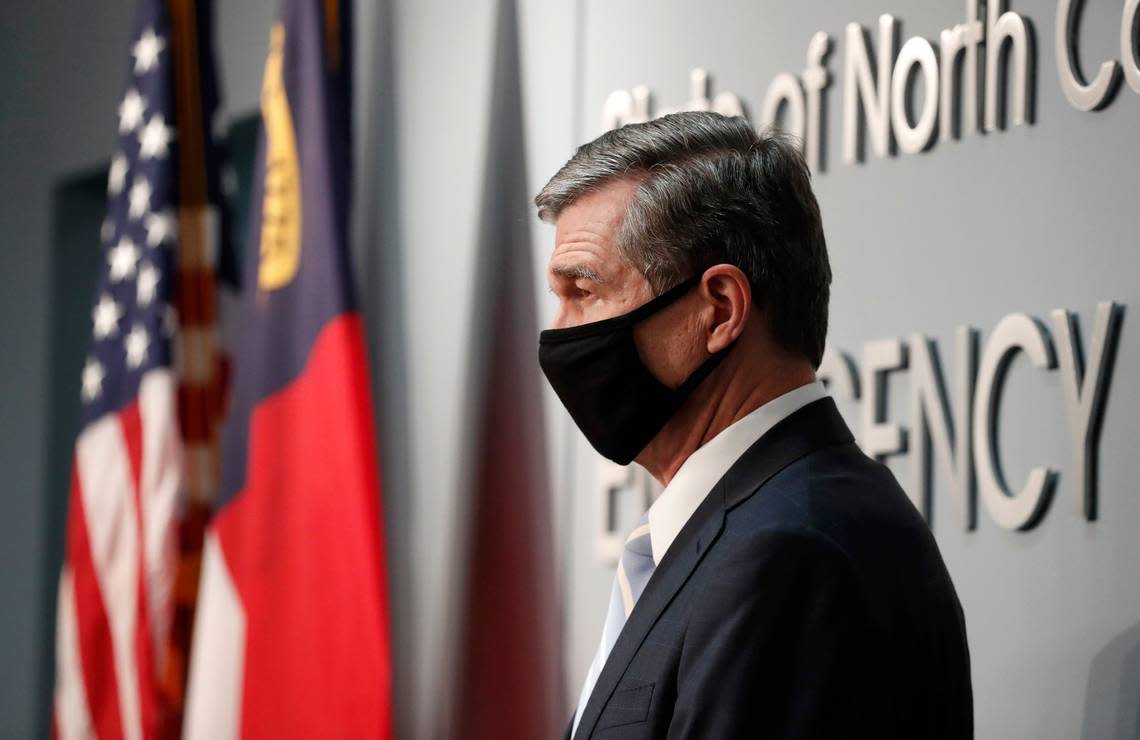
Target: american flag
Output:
{"points": [[130, 485]]}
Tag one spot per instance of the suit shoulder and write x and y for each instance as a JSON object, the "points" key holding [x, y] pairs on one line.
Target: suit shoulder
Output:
{"points": [[838, 498], [831, 491]]}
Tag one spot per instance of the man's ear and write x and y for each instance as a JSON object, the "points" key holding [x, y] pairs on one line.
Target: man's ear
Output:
{"points": [[728, 296]]}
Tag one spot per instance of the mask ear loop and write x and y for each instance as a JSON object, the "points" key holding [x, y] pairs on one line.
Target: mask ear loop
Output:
{"points": [[705, 368], [652, 306], [672, 295]]}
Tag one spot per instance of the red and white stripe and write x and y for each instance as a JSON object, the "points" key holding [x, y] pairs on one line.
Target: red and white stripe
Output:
{"points": [[116, 587]]}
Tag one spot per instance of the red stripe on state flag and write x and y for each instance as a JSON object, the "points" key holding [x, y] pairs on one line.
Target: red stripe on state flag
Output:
{"points": [[131, 423], [94, 629], [302, 541]]}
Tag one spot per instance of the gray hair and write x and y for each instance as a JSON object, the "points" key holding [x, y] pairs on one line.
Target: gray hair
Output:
{"points": [[711, 190]]}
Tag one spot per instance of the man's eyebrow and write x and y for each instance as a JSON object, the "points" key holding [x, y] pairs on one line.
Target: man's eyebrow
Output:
{"points": [[577, 272]]}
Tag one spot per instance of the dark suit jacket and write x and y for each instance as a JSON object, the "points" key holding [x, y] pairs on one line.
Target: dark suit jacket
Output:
{"points": [[805, 598]]}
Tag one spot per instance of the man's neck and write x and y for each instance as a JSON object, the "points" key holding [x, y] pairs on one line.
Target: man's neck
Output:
{"points": [[731, 392]]}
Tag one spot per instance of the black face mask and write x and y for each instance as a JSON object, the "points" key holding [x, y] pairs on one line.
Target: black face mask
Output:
{"points": [[613, 398]]}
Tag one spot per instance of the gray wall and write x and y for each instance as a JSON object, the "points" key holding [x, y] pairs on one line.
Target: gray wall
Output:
{"points": [[1029, 219]]}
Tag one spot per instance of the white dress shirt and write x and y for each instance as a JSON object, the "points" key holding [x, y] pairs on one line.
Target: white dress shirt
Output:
{"points": [[708, 464]]}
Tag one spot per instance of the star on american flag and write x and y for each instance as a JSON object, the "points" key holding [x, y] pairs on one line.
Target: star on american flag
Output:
{"points": [[131, 111], [146, 51], [122, 258], [154, 138], [117, 174], [160, 226], [139, 197], [136, 344], [92, 379], [106, 317], [148, 281]]}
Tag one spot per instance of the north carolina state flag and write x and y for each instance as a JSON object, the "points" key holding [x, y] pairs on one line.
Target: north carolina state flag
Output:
{"points": [[291, 638]]}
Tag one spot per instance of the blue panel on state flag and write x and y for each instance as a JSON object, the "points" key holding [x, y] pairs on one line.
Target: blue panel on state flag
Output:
{"points": [[296, 272]]}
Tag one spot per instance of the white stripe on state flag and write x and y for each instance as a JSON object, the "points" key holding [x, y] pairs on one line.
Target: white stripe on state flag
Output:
{"points": [[161, 495], [217, 660], [112, 526], [72, 719]]}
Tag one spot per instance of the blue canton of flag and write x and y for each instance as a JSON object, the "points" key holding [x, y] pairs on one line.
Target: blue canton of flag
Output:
{"points": [[133, 321]]}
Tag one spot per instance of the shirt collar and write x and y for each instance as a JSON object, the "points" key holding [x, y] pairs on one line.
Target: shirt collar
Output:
{"points": [[701, 471]]}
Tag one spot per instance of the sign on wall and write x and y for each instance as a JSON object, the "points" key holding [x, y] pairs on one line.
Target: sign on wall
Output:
{"points": [[977, 77]]}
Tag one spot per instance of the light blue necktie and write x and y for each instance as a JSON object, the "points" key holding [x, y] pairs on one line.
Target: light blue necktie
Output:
{"points": [[634, 569]]}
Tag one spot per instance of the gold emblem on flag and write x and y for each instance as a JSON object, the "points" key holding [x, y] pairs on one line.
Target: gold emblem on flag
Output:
{"points": [[281, 205]]}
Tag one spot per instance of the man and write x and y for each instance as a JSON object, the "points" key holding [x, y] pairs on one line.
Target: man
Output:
{"points": [[782, 585]]}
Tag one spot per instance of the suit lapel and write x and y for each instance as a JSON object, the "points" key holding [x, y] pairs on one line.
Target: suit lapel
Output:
{"points": [[674, 569], [813, 427]]}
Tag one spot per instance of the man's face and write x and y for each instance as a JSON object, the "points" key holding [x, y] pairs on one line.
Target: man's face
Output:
{"points": [[592, 283], [586, 272]]}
